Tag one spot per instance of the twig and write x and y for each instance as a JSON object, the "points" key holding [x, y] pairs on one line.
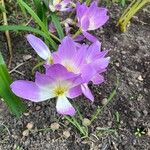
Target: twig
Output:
{"points": [[2, 124], [7, 35], [14, 69]]}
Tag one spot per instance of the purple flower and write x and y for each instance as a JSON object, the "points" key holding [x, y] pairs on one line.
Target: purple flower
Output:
{"points": [[86, 60], [40, 47], [89, 61], [59, 5], [57, 82], [90, 18]]}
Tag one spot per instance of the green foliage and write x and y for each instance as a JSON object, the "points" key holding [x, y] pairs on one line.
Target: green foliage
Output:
{"points": [[131, 10], [40, 24], [139, 132], [57, 24], [15, 105]]}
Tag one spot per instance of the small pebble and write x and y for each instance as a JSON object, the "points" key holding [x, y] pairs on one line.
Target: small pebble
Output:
{"points": [[137, 114], [55, 126], [104, 101], [26, 114], [25, 132], [140, 78], [86, 122], [38, 107], [140, 97], [27, 57], [29, 126], [66, 134], [148, 131], [145, 112], [117, 64]]}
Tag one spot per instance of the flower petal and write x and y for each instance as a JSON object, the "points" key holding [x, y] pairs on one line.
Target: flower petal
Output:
{"points": [[95, 12], [90, 37], [97, 79], [39, 46], [29, 90], [88, 71], [67, 48], [101, 64], [87, 92], [64, 107], [74, 92]]}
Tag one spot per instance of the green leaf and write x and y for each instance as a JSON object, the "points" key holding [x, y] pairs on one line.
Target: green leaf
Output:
{"points": [[23, 28], [41, 24], [22, 9], [16, 106], [57, 24]]}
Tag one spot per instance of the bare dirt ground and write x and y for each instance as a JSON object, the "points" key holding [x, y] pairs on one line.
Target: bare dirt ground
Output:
{"points": [[130, 63]]}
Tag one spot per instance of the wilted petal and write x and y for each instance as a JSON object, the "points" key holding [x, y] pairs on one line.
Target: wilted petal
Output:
{"points": [[39, 46], [64, 107], [87, 92]]}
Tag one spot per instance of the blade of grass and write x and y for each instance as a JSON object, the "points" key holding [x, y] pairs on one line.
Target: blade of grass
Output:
{"points": [[100, 109], [39, 8], [22, 9], [15, 105], [57, 24], [41, 24], [23, 28]]}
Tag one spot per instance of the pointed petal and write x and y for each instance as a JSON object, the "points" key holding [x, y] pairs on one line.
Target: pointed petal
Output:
{"points": [[67, 48], [88, 71], [29, 90], [39, 46], [101, 64], [44, 81], [90, 37], [74, 92], [95, 12], [97, 79], [87, 92], [58, 71], [64, 107]]}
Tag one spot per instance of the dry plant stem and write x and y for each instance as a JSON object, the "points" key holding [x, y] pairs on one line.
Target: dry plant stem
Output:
{"points": [[7, 35]]}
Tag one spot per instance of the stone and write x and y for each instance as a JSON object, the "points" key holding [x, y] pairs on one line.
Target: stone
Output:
{"points": [[25, 132], [29, 126], [140, 78], [86, 122], [55, 126], [66, 134]]}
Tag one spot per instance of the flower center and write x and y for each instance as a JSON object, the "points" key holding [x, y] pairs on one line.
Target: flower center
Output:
{"points": [[71, 67], [59, 91]]}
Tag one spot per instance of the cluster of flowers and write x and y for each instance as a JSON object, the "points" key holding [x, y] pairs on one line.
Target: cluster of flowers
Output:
{"points": [[69, 69]]}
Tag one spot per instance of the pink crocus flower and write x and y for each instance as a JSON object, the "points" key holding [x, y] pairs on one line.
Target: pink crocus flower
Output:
{"points": [[58, 82], [40, 47], [86, 60], [89, 61], [90, 18]]}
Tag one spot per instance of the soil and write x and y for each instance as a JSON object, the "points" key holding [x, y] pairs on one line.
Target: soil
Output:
{"points": [[130, 64]]}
